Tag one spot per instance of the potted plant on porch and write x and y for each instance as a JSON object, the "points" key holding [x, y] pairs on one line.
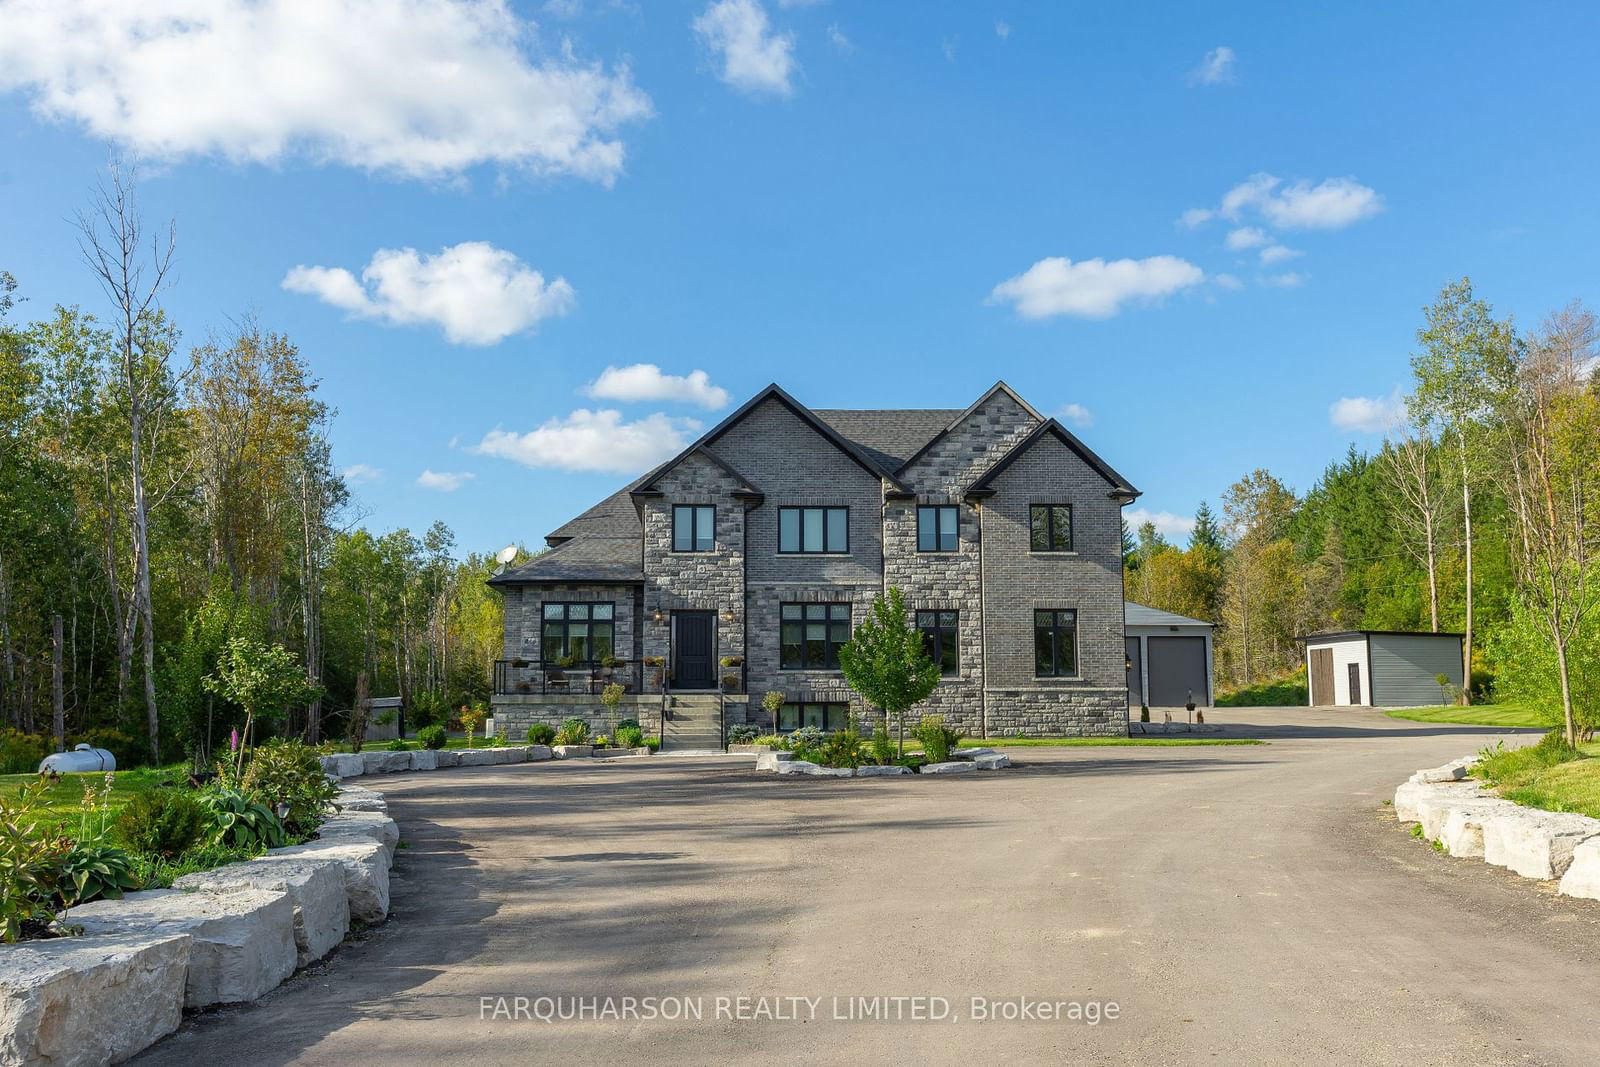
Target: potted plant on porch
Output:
{"points": [[730, 677]]}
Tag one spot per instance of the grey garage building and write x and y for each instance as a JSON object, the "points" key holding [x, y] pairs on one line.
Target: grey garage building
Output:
{"points": [[1380, 668], [1169, 657]]}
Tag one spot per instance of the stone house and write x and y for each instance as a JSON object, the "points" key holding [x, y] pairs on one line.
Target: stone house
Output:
{"points": [[738, 567]]}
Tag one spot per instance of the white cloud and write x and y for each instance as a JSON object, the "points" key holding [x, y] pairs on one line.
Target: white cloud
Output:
{"points": [[1329, 205], [1368, 414], [1226, 281], [361, 473], [837, 38], [1287, 280], [1195, 216], [1277, 254], [1002, 30], [1247, 237], [1094, 288], [753, 57], [476, 293], [1076, 414], [1215, 69], [642, 382], [444, 481], [422, 89], [1168, 525], [593, 441], [948, 47]]}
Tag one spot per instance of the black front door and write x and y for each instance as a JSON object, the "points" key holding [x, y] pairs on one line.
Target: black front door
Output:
{"points": [[1355, 683], [692, 666]]}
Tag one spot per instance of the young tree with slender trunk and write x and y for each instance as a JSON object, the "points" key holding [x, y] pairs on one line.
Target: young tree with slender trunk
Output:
{"points": [[1417, 502], [1461, 372], [886, 660], [112, 244]]}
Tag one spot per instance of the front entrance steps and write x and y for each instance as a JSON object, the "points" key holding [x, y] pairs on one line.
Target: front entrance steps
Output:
{"points": [[693, 723]]}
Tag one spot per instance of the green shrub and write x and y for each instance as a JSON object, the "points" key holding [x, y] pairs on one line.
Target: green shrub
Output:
{"points": [[916, 763], [287, 777], [630, 736], [840, 749], [155, 872], [574, 731], [541, 733], [807, 737], [776, 741], [398, 745], [32, 863], [742, 734], [652, 743], [431, 737], [240, 821], [95, 871], [936, 740], [163, 822], [1290, 690], [882, 747], [21, 753], [625, 723], [602, 741]]}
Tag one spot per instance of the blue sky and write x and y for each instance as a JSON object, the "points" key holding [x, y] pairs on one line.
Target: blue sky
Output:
{"points": [[871, 204]]}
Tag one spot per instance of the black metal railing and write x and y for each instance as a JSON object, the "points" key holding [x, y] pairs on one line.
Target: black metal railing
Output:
{"points": [[522, 676]]}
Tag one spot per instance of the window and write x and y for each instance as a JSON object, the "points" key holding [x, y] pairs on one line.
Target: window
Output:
{"points": [[1055, 644], [939, 636], [813, 530], [585, 632], [1050, 528], [936, 529], [811, 635], [694, 528], [823, 716]]}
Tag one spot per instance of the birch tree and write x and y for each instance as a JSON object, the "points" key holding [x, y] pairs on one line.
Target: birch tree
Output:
{"points": [[1417, 502]]}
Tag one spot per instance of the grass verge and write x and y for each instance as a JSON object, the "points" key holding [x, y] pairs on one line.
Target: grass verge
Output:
{"points": [[1549, 775], [64, 800], [1475, 715]]}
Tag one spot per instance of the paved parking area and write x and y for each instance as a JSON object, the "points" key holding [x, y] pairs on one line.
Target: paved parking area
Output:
{"points": [[1238, 904]]}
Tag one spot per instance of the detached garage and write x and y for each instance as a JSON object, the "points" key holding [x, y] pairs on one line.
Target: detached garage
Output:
{"points": [[1169, 658], [1380, 668]]}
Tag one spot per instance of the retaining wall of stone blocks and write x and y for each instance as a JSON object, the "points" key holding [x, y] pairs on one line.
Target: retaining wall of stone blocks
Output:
{"points": [[1456, 812]]}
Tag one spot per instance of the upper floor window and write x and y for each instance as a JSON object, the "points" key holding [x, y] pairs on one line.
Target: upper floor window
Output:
{"points": [[939, 637], [1055, 644], [813, 530], [693, 528], [811, 635], [936, 528], [1050, 528], [582, 632]]}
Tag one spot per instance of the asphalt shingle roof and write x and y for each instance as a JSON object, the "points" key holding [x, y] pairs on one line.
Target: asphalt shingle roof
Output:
{"points": [[890, 436], [583, 559], [1139, 615]]}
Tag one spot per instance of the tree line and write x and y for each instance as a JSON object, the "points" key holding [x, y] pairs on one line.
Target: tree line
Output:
{"points": [[163, 500], [1479, 514]]}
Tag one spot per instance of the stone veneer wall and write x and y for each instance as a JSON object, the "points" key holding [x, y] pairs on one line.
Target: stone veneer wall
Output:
{"points": [[951, 581], [1088, 579], [709, 581], [796, 466], [515, 716]]}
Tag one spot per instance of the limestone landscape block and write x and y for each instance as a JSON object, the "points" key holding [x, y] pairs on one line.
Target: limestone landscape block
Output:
{"points": [[90, 1000], [424, 759], [950, 767], [372, 825], [1533, 843], [242, 942], [1583, 874], [386, 762], [768, 761], [875, 771], [991, 761], [316, 888], [366, 871]]}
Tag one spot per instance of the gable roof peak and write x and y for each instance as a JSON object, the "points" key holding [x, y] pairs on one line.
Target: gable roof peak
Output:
{"points": [[1121, 488]]}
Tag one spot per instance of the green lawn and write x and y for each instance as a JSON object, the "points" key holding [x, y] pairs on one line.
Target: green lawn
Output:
{"points": [[1103, 742], [1475, 715], [1522, 776], [64, 801]]}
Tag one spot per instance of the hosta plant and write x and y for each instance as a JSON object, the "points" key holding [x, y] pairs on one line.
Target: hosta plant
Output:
{"points": [[241, 821]]}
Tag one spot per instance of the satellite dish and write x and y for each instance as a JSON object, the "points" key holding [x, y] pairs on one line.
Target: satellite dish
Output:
{"points": [[506, 554]]}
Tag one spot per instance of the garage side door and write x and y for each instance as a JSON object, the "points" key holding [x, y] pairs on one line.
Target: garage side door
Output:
{"points": [[1135, 694], [1177, 669]]}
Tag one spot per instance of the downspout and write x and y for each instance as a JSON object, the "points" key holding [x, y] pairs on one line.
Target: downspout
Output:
{"points": [[983, 631]]}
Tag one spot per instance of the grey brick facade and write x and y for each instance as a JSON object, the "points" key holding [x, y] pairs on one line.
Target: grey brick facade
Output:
{"points": [[990, 462]]}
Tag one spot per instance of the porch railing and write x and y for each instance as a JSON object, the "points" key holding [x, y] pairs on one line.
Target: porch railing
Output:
{"points": [[530, 677]]}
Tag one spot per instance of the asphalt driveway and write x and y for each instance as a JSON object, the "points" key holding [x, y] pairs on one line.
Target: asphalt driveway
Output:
{"points": [[1237, 904]]}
